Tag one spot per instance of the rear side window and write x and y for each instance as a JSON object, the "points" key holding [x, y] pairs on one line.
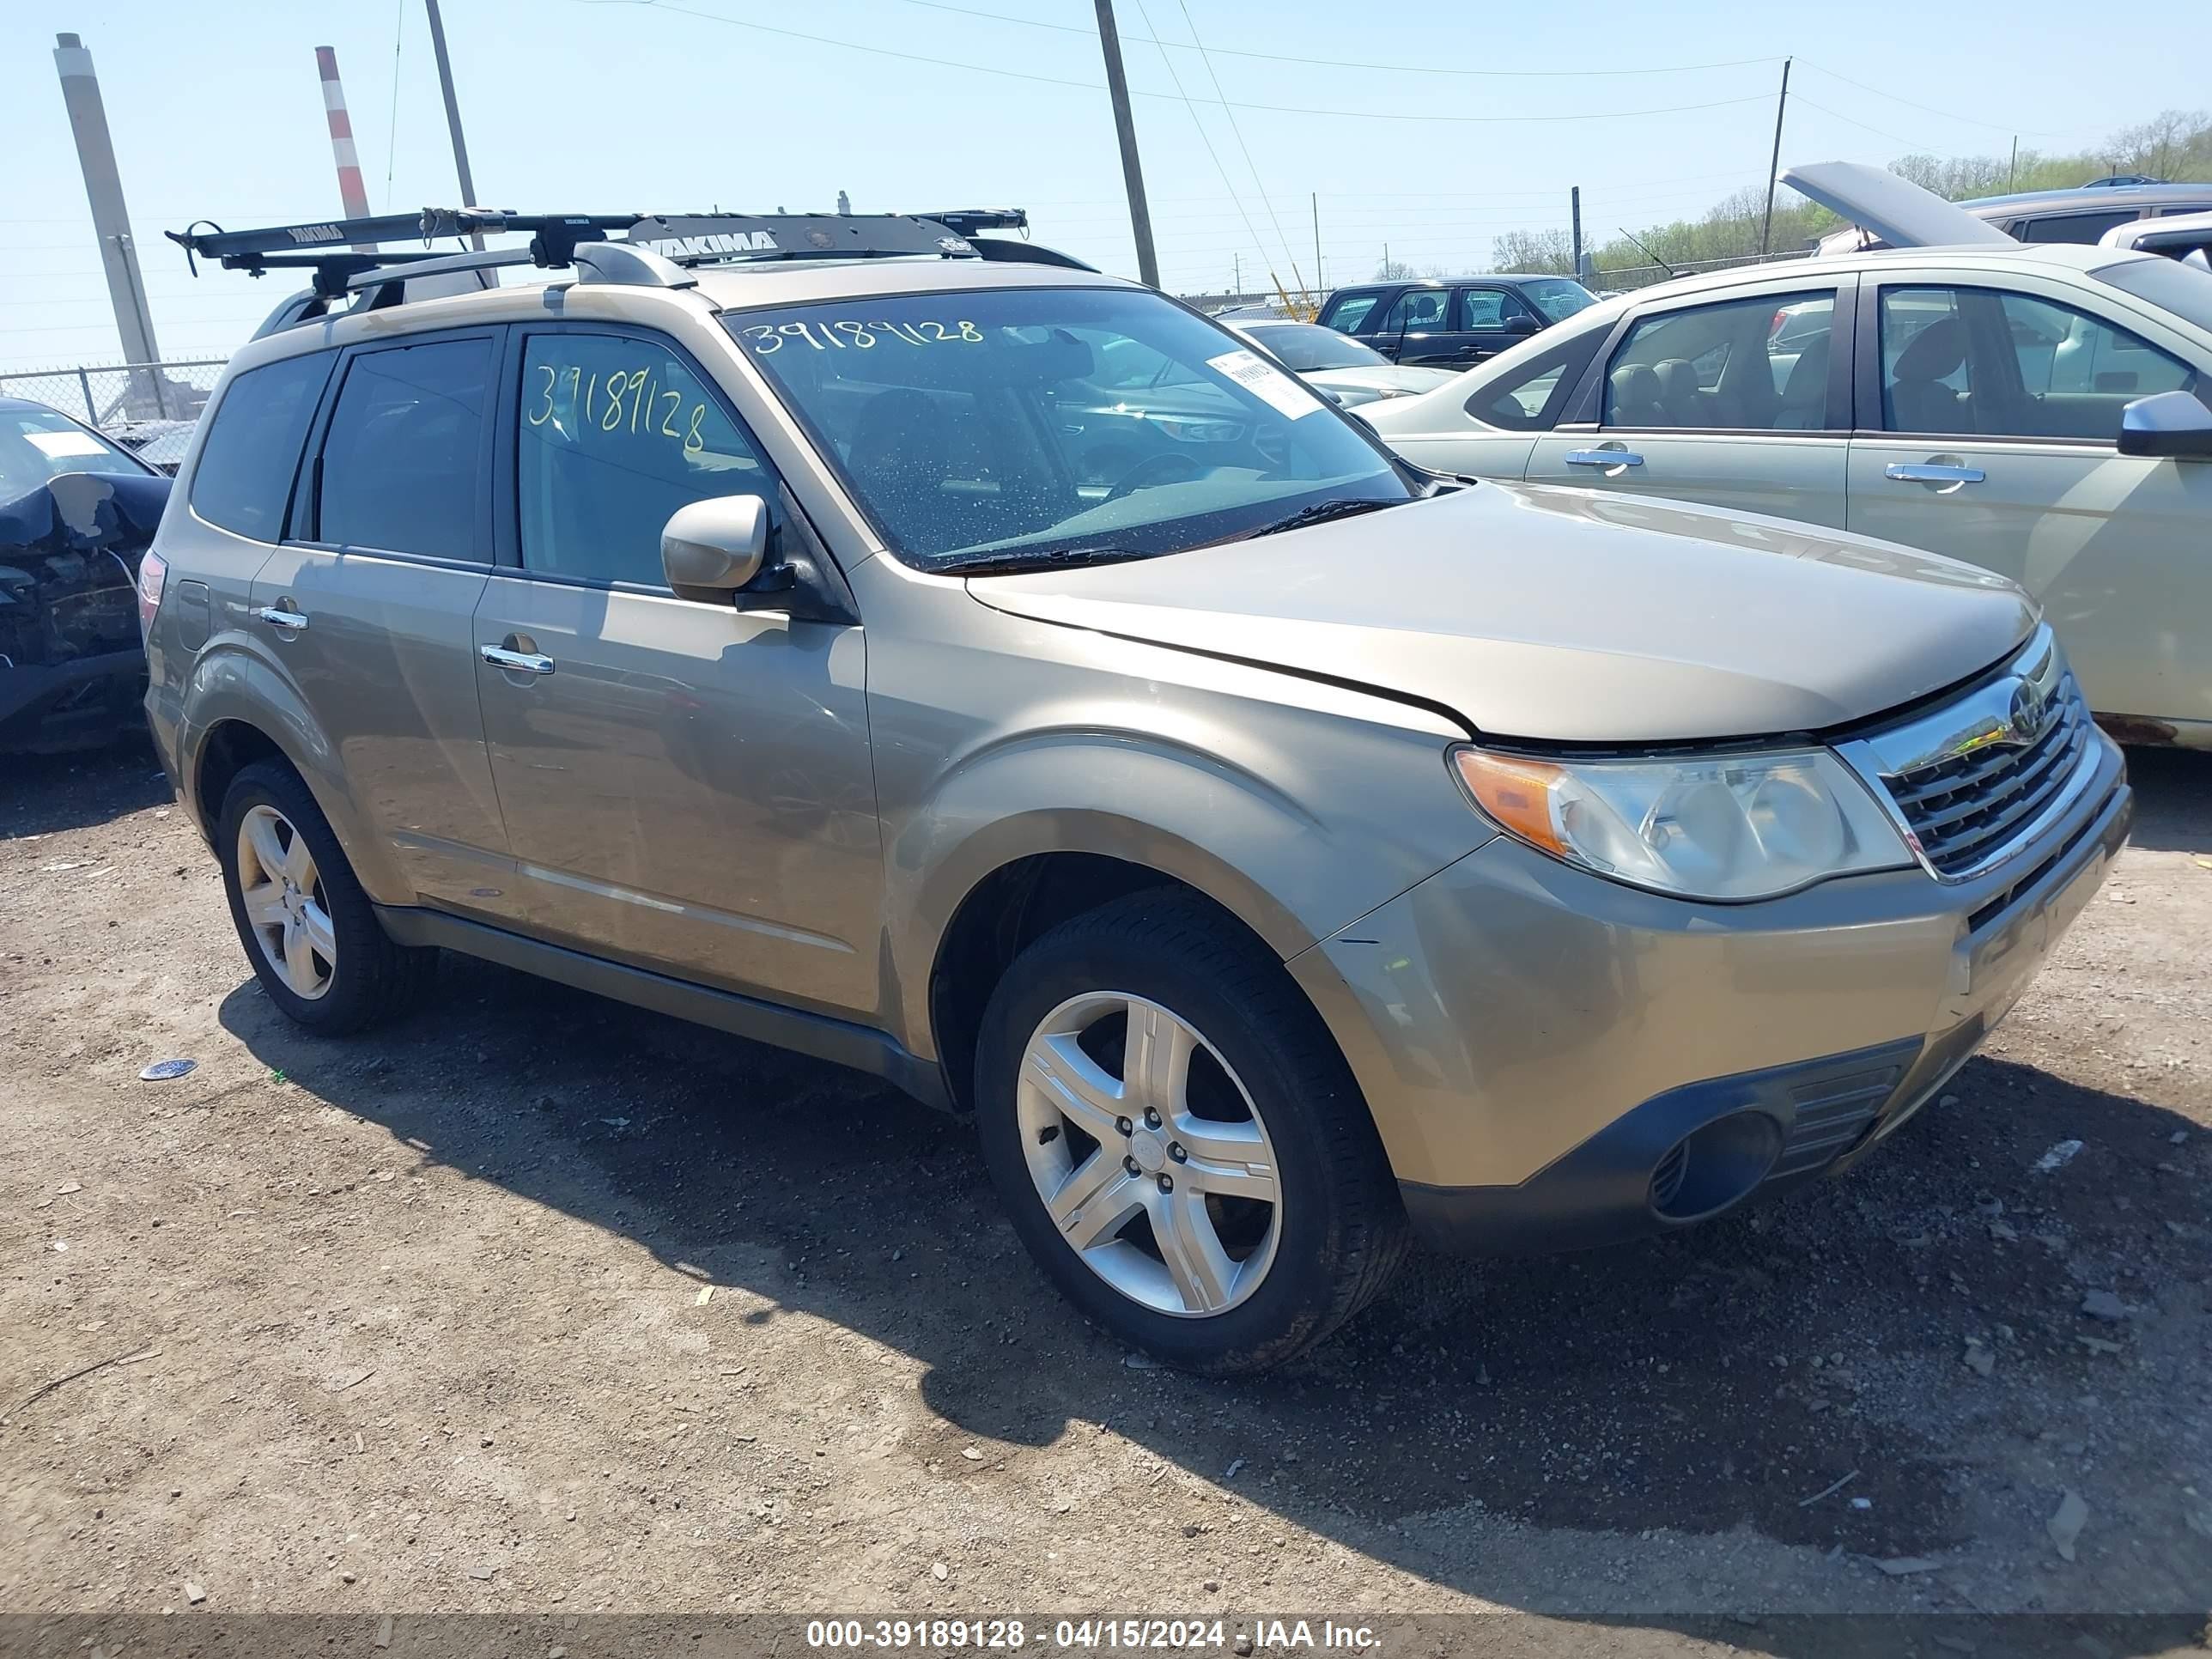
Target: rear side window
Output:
{"points": [[1758, 363], [618, 433], [1351, 311], [1488, 307], [253, 445], [1528, 398], [1417, 308], [2083, 228], [405, 451]]}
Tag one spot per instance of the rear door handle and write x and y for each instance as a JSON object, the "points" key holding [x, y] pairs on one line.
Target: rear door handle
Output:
{"points": [[1928, 472], [521, 662], [1604, 458], [289, 622]]}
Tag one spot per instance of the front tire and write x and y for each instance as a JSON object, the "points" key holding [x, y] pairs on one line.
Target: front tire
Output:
{"points": [[1178, 1141], [308, 927]]}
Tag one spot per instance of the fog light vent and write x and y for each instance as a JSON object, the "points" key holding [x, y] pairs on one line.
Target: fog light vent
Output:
{"points": [[1716, 1167], [1667, 1179]]}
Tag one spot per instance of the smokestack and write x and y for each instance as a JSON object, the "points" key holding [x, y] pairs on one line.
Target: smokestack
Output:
{"points": [[110, 220], [352, 193]]}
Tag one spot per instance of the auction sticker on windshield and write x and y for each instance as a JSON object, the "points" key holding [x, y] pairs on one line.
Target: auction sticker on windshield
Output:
{"points": [[1263, 379]]}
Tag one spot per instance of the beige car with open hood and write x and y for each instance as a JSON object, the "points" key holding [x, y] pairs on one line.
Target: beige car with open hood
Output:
{"points": [[2038, 411]]}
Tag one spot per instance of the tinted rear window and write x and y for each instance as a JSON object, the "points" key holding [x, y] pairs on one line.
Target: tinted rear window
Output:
{"points": [[253, 448], [401, 459]]}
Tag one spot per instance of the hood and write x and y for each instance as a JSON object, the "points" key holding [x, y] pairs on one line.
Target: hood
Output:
{"points": [[1382, 379], [1894, 209], [1566, 615]]}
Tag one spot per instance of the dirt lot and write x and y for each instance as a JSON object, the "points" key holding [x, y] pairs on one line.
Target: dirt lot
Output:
{"points": [[430, 1323]]}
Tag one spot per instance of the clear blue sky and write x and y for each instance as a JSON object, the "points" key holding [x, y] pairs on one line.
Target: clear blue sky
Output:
{"points": [[602, 106]]}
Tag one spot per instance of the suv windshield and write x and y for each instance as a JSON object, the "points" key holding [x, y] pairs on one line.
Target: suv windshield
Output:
{"points": [[39, 444], [1556, 297], [993, 427], [1307, 347]]}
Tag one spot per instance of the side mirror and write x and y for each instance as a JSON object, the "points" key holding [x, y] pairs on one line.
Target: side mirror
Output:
{"points": [[2167, 426], [712, 548], [1521, 323]]}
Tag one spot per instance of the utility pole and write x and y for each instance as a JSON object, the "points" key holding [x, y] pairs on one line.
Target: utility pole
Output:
{"points": [[453, 111], [1236, 268], [1320, 286], [1132, 174], [2011, 172], [1575, 218], [1781, 105], [111, 225]]}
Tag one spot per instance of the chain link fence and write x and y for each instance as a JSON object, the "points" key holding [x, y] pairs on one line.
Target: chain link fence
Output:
{"points": [[147, 408], [120, 394]]}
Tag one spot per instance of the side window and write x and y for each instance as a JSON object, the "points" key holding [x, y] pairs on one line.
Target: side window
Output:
{"points": [[253, 445], [1926, 383], [2082, 228], [1486, 307], [2077, 372], [1760, 363], [1352, 312], [1417, 308], [402, 459], [1529, 401], [615, 434]]}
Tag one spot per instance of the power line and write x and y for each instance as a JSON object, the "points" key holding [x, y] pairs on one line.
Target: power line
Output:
{"points": [[1092, 86], [1949, 115], [1250, 166], [1204, 138], [1335, 63]]}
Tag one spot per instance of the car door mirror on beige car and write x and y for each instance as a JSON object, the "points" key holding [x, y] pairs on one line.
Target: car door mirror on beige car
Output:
{"points": [[711, 549], [2167, 426]]}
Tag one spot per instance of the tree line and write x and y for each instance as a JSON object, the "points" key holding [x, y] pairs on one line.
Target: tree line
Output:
{"points": [[2175, 145]]}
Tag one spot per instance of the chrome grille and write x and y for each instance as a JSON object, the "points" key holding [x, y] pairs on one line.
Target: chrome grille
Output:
{"points": [[1964, 808], [1974, 780]]}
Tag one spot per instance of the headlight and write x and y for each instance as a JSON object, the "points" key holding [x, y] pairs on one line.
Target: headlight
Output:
{"points": [[1732, 827], [1184, 430]]}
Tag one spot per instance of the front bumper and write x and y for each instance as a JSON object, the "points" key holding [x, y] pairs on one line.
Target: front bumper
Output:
{"points": [[1533, 1041], [81, 704]]}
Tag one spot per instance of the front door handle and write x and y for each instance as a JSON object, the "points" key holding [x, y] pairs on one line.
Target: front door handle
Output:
{"points": [[1604, 458], [521, 662], [286, 622], [1930, 473]]}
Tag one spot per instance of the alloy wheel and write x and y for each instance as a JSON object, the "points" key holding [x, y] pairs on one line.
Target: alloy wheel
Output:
{"points": [[283, 896], [1151, 1158]]}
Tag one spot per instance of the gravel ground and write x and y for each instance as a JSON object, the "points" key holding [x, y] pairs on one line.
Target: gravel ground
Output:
{"points": [[538, 1302]]}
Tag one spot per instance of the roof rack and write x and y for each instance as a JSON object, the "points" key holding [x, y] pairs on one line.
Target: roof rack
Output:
{"points": [[653, 249]]}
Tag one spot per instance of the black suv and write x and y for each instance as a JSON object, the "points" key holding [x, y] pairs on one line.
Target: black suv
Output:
{"points": [[1452, 322]]}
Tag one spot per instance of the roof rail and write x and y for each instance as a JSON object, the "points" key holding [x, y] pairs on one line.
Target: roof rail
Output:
{"points": [[653, 249]]}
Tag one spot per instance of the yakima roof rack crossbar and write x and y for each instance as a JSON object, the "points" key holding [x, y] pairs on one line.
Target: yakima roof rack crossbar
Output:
{"points": [[649, 249], [330, 248]]}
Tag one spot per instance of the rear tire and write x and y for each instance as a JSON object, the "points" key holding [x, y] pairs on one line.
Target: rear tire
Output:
{"points": [[308, 929], [1254, 1211]]}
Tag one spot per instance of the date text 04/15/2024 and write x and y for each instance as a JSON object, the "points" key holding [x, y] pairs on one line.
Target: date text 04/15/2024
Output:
{"points": [[1090, 1634]]}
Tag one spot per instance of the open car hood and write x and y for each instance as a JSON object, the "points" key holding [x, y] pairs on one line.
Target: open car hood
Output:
{"points": [[1894, 209], [1565, 615]]}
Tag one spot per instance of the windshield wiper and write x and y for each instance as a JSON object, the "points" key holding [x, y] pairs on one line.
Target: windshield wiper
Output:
{"points": [[1321, 512], [1056, 558]]}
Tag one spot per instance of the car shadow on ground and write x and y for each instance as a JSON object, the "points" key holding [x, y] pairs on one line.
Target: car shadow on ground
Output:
{"points": [[2174, 798], [45, 794], [1717, 1378]]}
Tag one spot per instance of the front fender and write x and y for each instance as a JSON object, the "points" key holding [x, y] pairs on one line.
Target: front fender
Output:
{"points": [[231, 682], [1293, 862]]}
